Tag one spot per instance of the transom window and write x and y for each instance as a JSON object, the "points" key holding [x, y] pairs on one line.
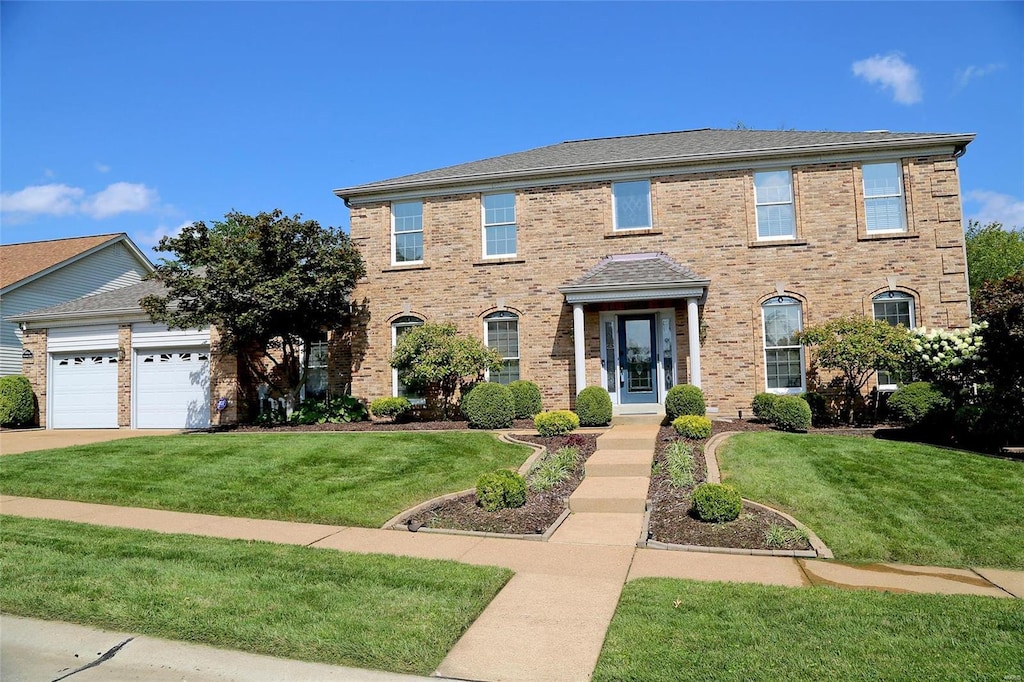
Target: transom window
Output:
{"points": [[783, 354], [407, 232], [501, 332], [896, 308], [773, 195], [316, 376], [883, 197], [499, 224], [632, 205], [403, 325]]}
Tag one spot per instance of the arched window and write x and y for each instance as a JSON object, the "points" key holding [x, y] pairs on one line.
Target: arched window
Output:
{"points": [[896, 308], [399, 328], [783, 354], [501, 332]]}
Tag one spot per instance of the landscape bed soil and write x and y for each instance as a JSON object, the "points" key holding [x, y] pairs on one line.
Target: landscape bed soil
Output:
{"points": [[533, 518]]}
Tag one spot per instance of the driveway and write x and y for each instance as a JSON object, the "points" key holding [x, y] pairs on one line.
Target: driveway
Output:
{"points": [[13, 441]]}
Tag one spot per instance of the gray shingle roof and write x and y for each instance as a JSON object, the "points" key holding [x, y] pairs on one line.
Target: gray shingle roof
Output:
{"points": [[636, 269], [652, 149], [118, 301]]}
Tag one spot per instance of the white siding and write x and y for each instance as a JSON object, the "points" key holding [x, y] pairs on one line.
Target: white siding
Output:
{"points": [[148, 335], [110, 268], [95, 337]]}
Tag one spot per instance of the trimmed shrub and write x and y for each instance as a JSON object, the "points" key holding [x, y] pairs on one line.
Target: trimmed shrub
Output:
{"points": [[693, 427], [819, 408], [717, 503], [684, 399], [918, 403], [489, 406], [526, 397], [501, 489], [17, 402], [792, 413], [390, 408], [556, 422], [594, 407], [764, 406]]}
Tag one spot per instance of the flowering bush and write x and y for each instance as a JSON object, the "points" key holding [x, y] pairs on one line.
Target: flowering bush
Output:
{"points": [[950, 357]]}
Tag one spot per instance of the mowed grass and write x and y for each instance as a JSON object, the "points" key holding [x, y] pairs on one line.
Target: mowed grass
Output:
{"points": [[352, 479], [369, 611], [749, 632], [875, 500]]}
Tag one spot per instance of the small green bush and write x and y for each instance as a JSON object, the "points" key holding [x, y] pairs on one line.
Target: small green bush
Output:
{"points": [[717, 503], [764, 406], [594, 407], [553, 468], [17, 402], [918, 403], [778, 536], [526, 397], [684, 399], [680, 463], [501, 489], [556, 422], [390, 408], [340, 410], [489, 406], [819, 408], [792, 413], [693, 427]]}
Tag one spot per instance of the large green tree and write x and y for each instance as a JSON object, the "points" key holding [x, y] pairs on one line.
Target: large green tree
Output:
{"points": [[992, 253], [269, 283], [1000, 304]]}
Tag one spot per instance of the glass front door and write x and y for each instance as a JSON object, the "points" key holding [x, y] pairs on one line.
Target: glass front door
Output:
{"points": [[638, 376]]}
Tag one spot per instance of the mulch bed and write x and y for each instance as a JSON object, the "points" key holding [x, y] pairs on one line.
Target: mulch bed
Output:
{"points": [[673, 521], [533, 518]]}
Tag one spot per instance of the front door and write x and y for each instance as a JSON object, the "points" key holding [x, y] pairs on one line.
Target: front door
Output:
{"points": [[638, 375]]}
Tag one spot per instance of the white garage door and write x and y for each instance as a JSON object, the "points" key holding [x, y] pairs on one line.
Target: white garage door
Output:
{"points": [[172, 388], [84, 390]]}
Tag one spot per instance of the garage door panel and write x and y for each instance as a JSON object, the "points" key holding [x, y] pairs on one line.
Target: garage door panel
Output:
{"points": [[84, 391], [172, 389]]}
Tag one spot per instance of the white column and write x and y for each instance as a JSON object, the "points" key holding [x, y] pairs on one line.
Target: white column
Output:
{"points": [[579, 343], [693, 333]]}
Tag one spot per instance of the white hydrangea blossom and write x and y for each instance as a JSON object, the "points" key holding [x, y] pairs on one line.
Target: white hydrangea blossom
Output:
{"points": [[941, 349]]}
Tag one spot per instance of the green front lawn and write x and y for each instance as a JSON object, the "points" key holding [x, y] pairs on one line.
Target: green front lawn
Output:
{"points": [[353, 479], [875, 500], [368, 611], [674, 630]]}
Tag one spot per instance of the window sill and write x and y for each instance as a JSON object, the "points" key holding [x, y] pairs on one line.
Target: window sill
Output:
{"points": [[407, 268], [777, 242], [617, 234], [498, 261], [881, 236]]}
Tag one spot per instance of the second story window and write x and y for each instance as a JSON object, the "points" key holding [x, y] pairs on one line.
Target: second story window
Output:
{"points": [[773, 195], [632, 205], [883, 197], [407, 232], [499, 225]]}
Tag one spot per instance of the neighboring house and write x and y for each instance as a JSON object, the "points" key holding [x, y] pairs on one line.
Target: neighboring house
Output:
{"points": [[40, 274], [637, 263]]}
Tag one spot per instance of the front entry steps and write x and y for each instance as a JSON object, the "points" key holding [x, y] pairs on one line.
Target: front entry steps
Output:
{"points": [[611, 494], [605, 463]]}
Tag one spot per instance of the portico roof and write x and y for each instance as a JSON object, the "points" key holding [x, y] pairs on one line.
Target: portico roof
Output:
{"points": [[635, 277]]}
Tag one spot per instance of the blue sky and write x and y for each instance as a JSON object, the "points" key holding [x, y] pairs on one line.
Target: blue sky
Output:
{"points": [[140, 117]]}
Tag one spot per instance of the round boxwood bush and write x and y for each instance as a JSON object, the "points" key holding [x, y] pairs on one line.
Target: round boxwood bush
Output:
{"points": [[17, 402], [717, 503], [764, 406], [684, 399], [594, 407], [392, 408], [489, 406], [791, 413], [918, 403], [501, 489], [556, 422], [693, 427], [526, 397]]}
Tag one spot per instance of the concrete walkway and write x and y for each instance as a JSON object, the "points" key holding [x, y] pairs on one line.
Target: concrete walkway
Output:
{"points": [[549, 622], [15, 441]]}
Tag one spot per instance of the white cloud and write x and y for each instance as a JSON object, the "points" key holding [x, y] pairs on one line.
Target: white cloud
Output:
{"points": [[965, 76], [152, 238], [52, 199], [893, 73], [995, 207], [102, 167], [120, 197]]}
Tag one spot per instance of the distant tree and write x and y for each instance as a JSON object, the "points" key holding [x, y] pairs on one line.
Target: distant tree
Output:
{"points": [[270, 283], [992, 253], [856, 347]]}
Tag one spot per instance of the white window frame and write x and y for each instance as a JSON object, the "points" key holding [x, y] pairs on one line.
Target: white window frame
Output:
{"points": [[503, 316], [325, 343], [394, 234], [615, 208], [514, 224], [758, 204], [900, 194], [895, 296], [780, 301], [405, 321]]}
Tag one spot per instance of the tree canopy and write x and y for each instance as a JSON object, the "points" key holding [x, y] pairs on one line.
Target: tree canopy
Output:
{"points": [[992, 253], [268, 282]]}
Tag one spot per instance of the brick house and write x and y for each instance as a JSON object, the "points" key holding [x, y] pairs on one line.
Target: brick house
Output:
{"points": [[637, 263]]}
